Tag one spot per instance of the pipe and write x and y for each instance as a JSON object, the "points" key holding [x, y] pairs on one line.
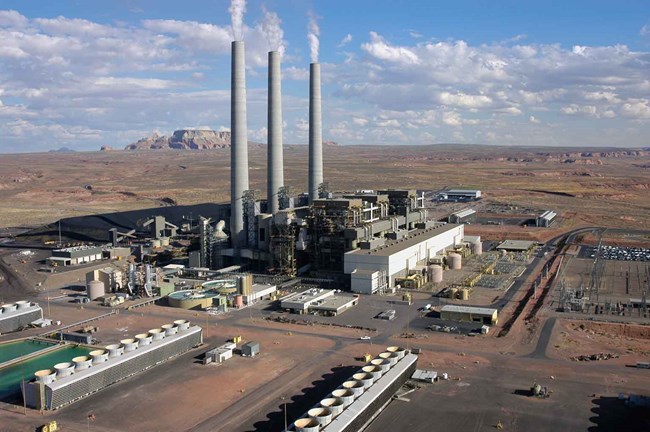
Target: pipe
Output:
{"points": [[275, 170], [238, 145], [315, 133]]}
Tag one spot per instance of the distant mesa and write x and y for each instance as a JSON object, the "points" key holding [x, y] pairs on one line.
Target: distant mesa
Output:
{"points": [[106, 148], [184, 139], [330, 143]]}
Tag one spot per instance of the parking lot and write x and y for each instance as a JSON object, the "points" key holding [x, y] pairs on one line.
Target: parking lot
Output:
{"points": [[616, 253]]}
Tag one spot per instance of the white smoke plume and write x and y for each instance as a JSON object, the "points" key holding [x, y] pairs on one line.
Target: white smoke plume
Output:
{"points": [[237, 9], [271, 28], [312, 36]]}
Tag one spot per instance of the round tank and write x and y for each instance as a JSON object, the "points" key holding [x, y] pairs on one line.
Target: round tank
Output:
{"points": [[64, 369], [347, 396], [391, 357], [454, 261], [453, 293], [382, 364], [98, 356], [114, 350], [239, 301], [182, 324], [464, 294], [477, 247], [22, 304], [157, 334], [95, 289], [307, 424], [356, 387], [504, 252], [9, 307], [435, 273], [82, 362], [46, 376], [143, 339], [335, 404], [397, 350], [170, 329], [375, 371], [365, 378], [129, 344], [323, 415], [164, 241], [156, 243]]}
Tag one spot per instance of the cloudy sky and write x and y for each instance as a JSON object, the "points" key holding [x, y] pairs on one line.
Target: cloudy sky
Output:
{"points": [[83, 74]]}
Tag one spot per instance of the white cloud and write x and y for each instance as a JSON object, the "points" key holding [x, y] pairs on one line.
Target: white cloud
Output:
{"points": [[346, 40], [464, 100], [381, 50], [451, 118], [645, 30], [358, 121], [637, 109], [534, 120], [295, 73]]}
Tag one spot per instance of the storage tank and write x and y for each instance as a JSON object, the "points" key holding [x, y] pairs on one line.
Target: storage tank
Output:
{"points": [[335, 404], [82, 362], [182, 324], [114, 350], [170, 329], [322, 415], [391, 357], [464, 294], [375, 371], [454, 261], [365, 378], [477, 247], [397, 350], [63, 369], [347, 396], [384, 365], [98, 356], [9, 307], [95, 289], [164, 241], [129, 345], [157, 334], [355, 386], [453, 293], [239, 301], [156, 243], [45, 376], [22, 304], [435, 273], [307, 424], [143, 339]]}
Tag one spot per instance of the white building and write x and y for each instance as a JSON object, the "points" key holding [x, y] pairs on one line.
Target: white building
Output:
{"points": [[397, 257]]}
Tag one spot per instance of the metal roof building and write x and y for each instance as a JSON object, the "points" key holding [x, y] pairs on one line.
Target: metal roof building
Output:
{"points": [[462, 216], [545, 219], [470, 314], [516, 245]]}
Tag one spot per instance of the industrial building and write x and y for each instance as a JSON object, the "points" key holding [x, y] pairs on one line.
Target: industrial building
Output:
{"points": [[75, 255], [250, 349], [545, 219], [320, 301], [459, 195], [470, 314], [516, 245], [68, 382], [15, 316], [219, 354], [111, 277], [463, 216]]}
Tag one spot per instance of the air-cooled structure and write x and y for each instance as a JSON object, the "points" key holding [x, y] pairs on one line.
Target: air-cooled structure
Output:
{"points": [[545, 219], [15, 316]]}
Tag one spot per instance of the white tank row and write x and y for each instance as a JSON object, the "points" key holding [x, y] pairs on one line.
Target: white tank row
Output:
{"points": [[330, 407], [47, 376], [19, 305]]}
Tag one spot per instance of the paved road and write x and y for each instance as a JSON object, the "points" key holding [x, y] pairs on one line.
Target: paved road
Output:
{"points": [[544, 338]]}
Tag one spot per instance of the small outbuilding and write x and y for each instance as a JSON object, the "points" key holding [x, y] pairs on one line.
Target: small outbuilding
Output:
{"points": [[250, 349], [481, 315]]}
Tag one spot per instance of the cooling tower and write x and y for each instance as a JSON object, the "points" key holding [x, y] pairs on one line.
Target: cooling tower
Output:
{"points": [[315, 133], [275, 169], [238, 145]]}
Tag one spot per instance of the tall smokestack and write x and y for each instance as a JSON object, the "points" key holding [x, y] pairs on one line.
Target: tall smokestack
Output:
{"points": [[239, 145], [275, 169], [315, 133]]}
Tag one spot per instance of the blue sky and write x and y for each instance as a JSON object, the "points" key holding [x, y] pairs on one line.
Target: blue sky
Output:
{"points": [[83, 74]]}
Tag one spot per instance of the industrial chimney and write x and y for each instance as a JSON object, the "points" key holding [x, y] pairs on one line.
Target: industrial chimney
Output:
{"points": [[275, 168], [315, 133], [238, 145]]}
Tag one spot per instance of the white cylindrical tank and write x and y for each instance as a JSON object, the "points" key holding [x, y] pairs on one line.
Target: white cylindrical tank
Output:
{"points": [[22, 304], [164, 241], [375, 371], [129, 344], [114, 350], [323, 415], [454, 261], [435, 273], [477, 247], [397, 350], [64, 369], [391, 357], [182, 324], [384, 365], [95, 289], [46, 376], [98, 356], [143, 339], [347, 396], [335, 404], [157, 334], [156, 243], [9, 307], [82, 362], [170, 329], [365, 378], [307, 424], [356, 387]]}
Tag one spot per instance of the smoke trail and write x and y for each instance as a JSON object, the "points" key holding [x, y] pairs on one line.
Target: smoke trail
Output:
{"points": [[270, 26], [312, 36], [237, 9]]}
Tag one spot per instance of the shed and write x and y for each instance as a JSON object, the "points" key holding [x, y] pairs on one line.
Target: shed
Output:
{"points": [[250, 349]]}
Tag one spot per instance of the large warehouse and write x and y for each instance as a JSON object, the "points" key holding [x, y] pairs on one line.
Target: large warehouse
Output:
{"points": [[481, 315], [396, 257]]}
